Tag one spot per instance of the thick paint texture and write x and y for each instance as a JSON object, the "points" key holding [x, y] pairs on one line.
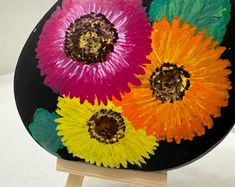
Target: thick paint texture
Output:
{"points": [[212, 15], [43, 130]]}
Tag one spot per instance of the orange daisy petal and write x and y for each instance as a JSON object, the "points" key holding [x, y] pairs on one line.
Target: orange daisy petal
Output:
{"points": [[178, 48]]}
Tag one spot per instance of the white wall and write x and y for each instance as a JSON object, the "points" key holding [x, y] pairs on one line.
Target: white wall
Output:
{"points": [[17, 20]]}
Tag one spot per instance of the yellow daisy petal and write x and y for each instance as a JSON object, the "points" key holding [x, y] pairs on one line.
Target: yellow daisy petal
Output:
{"points": [[101, 135]]}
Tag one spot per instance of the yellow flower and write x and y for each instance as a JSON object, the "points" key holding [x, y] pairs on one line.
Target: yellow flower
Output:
{"points": [[101, 135]]}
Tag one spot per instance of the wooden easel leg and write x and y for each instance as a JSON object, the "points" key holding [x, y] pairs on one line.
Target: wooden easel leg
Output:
{"points": [[163, 181], [74, 181], [79, 170], [156, 186]]}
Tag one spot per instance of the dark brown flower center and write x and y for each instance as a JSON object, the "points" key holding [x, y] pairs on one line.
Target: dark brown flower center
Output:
{"points": [[169, 83], [106, 126], [90, 38]]}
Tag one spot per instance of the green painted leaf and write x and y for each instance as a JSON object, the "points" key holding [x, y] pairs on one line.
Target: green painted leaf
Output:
{"points": [[43, 130], [212, 15]]}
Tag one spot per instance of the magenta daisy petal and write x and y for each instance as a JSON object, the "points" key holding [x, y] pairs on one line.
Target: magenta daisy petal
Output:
{"points": [[94, 49]]}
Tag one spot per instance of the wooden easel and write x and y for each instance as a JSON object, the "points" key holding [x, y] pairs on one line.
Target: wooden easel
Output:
{"points": [[77, 171]]}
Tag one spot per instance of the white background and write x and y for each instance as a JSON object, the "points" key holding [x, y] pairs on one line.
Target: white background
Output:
{"points": [[25, 164], [17, 20]]}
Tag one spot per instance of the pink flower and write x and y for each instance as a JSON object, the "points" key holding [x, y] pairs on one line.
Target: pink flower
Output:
{"points": [[94, 49]]}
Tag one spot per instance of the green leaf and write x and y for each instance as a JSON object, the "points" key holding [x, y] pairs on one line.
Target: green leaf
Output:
{"points": [[43, 130], [212, 15]]}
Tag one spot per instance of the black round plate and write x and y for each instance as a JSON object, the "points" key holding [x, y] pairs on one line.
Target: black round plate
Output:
{"points": [[31, 93]]}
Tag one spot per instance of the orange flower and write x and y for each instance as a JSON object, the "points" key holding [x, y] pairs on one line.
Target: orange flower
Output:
{"points": [[183, 88]]}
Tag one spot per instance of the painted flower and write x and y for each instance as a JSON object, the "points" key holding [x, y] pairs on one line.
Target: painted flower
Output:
{"points": [[101, 135], [94, 49], [184, 87]]}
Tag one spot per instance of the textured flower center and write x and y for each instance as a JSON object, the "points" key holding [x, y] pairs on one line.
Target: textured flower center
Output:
{"points": [[106, 126], [90, 38], [169, 83]]}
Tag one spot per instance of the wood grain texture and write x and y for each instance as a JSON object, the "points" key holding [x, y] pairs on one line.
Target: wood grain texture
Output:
{"points": [[147, 179], [74, 181]]}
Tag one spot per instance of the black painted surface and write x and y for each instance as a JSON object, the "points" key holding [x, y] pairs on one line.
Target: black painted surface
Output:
{"points": [[146, 3], [31, 93]]}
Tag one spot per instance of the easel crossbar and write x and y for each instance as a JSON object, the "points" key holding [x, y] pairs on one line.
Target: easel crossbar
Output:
{"points": [[153, 179]]}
